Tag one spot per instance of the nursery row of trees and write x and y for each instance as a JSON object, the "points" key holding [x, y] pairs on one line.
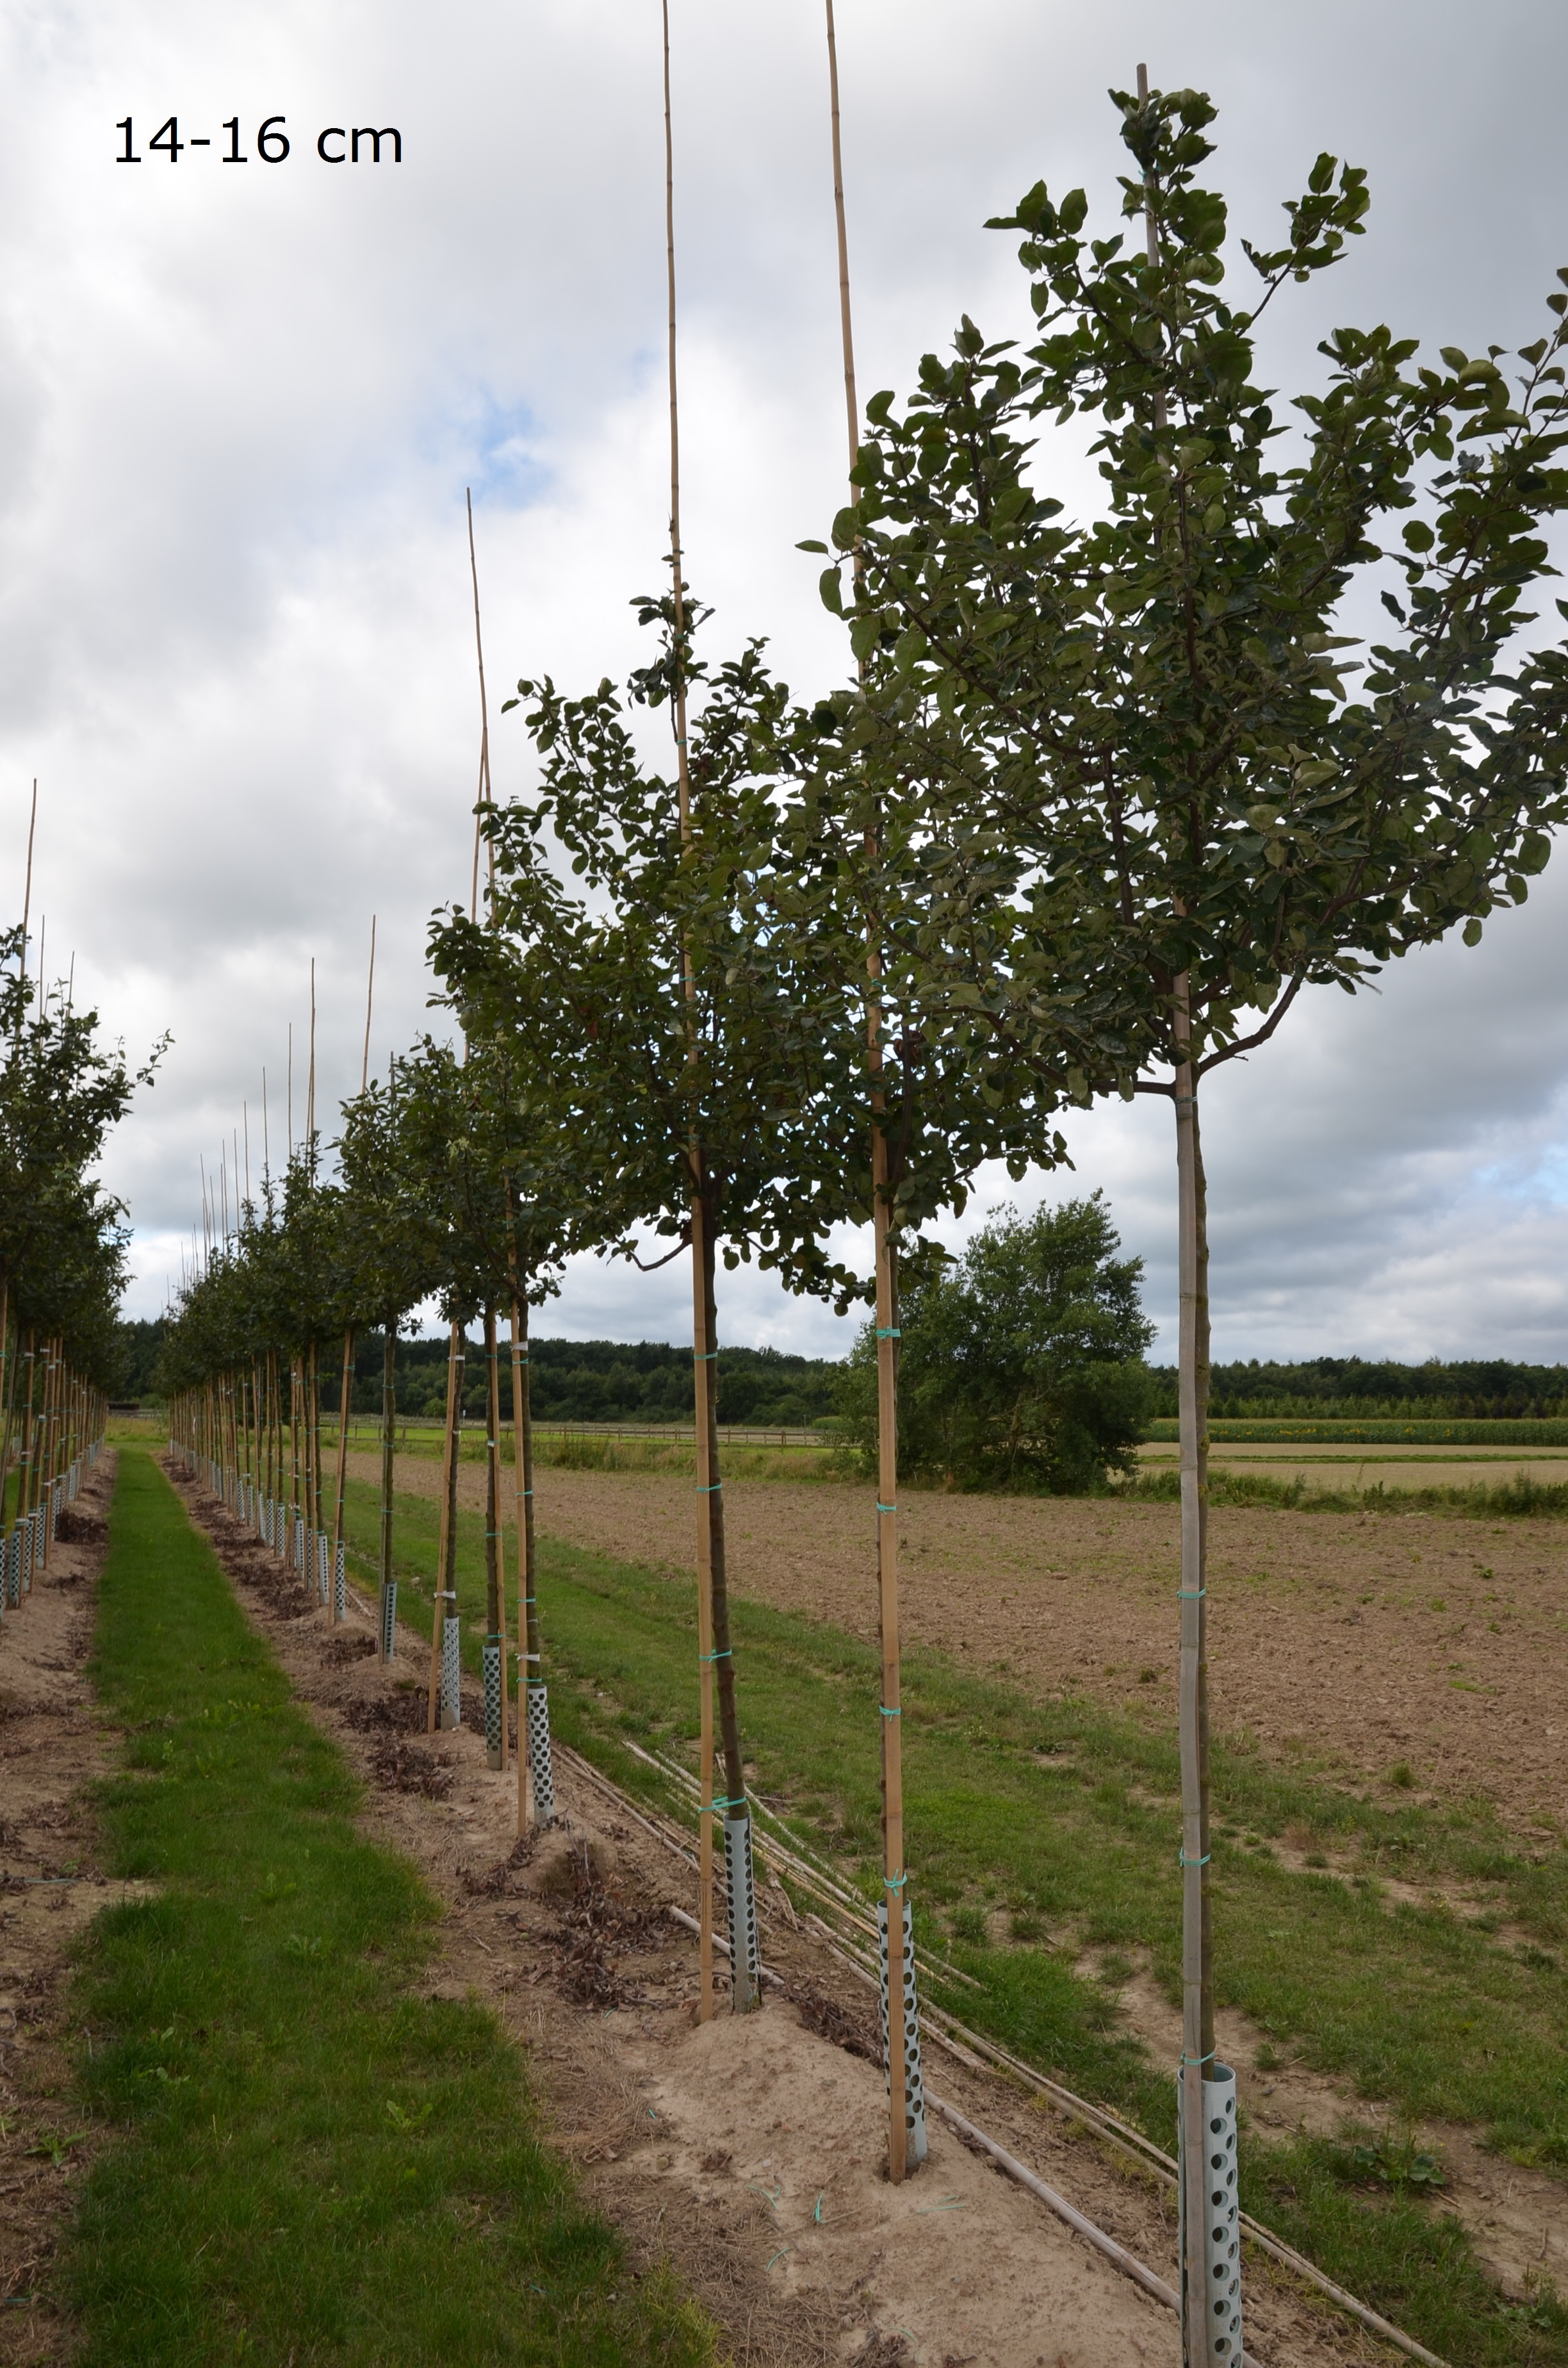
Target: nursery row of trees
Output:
{"points": [[62, 1253], [1102, 798]]}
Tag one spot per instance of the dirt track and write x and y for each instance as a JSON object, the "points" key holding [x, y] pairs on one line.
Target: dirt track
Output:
{"points": [[1367, 1639]]}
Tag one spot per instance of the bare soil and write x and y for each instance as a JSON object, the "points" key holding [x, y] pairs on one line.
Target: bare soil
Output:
{"points": [[51, 1747], [750, 2153], [1362, 1640]]}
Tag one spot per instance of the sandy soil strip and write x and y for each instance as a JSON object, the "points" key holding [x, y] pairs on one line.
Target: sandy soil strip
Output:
{"points": [[751, 2152], [51, 1744]]}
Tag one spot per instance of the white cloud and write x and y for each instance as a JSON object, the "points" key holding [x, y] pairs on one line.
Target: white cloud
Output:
{"points": [[239, 404]]}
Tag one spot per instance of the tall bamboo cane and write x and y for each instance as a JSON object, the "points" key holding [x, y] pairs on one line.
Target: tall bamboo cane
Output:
{"points": [[536, 1791], [447, 1548], [715, 1655], [495, 1598], [903, 2077], [346, 1392], [388, 1597]]}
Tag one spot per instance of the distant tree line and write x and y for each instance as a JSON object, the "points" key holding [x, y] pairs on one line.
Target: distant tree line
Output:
{"points": [[611, 1381], [1353, 1388], [571, 1381]]}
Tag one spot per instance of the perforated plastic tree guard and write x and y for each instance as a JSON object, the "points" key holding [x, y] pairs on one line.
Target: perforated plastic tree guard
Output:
{"points": [[452, 1672], [1222, 2228], [539, 1754], [339, 1588], [746, 1953], [491, 1660], [914, 2087], [389, 1619]]}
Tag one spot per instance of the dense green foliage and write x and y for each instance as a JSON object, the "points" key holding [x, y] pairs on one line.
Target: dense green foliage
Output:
{"points": [[608, 1380], [1355, 1388], [314, 2162], [1020, 1364], [63, 1237]]}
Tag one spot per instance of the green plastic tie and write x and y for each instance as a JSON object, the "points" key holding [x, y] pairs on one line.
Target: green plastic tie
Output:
{"points": [[725, 1804], [1190, 1594], [889, 1713], [709, 1489], [894, 1882], [886, 1509], [1183, 1860], [703, 1356], [716, 1656], [889, 1332], [1202, 2059]]}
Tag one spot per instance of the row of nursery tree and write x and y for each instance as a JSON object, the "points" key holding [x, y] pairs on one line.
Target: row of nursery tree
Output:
{"points": [[1103, 797], [573, 1381], [62, 1246]]}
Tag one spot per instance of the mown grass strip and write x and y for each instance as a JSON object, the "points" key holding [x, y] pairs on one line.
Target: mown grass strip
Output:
{"points": [[315, 2164], [1061, 1815]]}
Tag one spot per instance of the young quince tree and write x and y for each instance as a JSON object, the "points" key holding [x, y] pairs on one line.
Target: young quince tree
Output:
{"points": [[1155, 716]]}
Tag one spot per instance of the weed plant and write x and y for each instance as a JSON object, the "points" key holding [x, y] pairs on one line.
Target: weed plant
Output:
{"points": [[314, 2162]]}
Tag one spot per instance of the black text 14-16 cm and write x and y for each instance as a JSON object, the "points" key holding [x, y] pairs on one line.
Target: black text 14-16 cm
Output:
{"points": [[339, 143]]}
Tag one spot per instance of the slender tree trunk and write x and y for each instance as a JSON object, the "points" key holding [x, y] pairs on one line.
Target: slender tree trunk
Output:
{"points": [[389, 1467], [51, 1443], [346, 1392], [13, 1370], [447, 1550], [494, 1606], [294, 1397], [1198, 1978], [535, 1799]]}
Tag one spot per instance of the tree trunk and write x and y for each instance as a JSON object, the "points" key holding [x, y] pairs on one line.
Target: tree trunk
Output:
{"points": [[345, 1393], [389, 1453], [746, 1987], [1198, 1978], [495, 1621], [446, 1604], [536, 1782], [894, 1878]]}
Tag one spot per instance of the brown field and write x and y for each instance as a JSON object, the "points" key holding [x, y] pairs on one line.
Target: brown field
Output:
{"points": [[1361, 1640]]}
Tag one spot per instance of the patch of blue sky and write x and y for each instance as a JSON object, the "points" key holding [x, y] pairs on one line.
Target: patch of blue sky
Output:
{"points": [[499, 444], [1542, 1178]]}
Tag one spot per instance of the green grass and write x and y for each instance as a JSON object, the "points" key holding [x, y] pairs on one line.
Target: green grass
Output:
{"points": [[1423, 1431], [1062, 1815], [1516, 1499], [312, 2164]]}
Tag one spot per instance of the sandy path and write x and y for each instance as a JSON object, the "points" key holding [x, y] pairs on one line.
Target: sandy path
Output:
{"points": [[52, 1743], [1366, 1638]]}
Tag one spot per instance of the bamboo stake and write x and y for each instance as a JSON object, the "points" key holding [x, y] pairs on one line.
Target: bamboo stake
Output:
{"points": [[446, 1553], [894, 1875], [389, 1451], [494, 1595], [531, 1667], [707, 1485], [1197, 2050], [346, 1389]]}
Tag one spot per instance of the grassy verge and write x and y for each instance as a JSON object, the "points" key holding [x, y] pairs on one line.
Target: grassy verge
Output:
{"points": [[1517, 1498], [588, 1452], [315, 2164], [1382, 1431], [1040, 1829]]}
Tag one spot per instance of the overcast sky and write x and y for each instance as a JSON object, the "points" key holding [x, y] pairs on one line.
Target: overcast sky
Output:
{"points": [[239, 406]]}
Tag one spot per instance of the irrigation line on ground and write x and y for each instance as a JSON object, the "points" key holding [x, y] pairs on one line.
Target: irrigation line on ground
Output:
{"points": [[975, 2050]]}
